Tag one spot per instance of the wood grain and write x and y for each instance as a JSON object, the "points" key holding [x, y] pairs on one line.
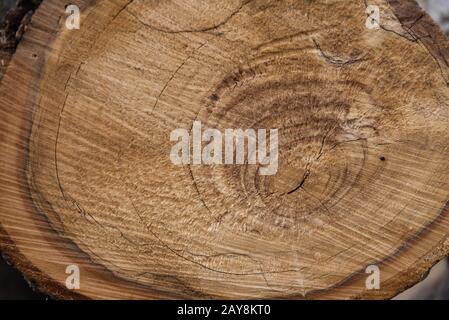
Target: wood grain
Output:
{"points": [[362, 115]]}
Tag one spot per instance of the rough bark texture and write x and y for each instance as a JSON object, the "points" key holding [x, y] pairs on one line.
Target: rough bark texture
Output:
{"points": [[13, 23], [86, 177]]}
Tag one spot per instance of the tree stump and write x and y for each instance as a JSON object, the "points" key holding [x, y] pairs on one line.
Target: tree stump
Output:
{"points": [[86, 178]]}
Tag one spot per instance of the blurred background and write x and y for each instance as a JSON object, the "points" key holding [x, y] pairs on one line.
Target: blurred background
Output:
{"points": [[438, 10], [13, 286], [4, 6]]}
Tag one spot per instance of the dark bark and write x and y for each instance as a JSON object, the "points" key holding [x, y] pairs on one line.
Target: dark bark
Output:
{"points": [[14, 18]]}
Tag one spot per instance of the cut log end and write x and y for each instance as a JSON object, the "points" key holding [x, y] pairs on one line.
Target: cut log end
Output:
{"points": [[361, 179]]}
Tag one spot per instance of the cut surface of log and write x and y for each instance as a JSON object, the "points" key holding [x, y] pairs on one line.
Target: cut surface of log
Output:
{"points": [[86, 177]]}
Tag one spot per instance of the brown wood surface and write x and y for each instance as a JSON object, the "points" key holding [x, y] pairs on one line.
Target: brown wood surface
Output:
{"points": [[86, 178]]}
